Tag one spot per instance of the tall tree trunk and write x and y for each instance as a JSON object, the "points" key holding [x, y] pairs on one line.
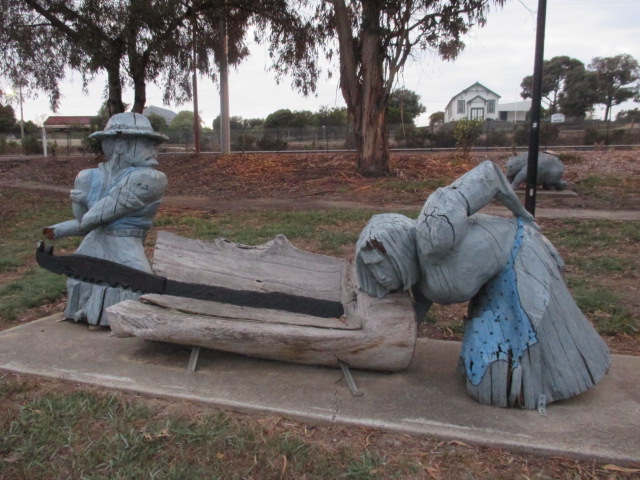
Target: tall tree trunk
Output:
{"points": [[138, 68], [114, 102], [364, 91], [139, 93], [372, 134]]}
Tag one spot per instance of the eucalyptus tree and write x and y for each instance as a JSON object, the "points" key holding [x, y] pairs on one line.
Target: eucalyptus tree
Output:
{"points": [[559, 76], [133, 41], [404, 107], [34, 55], [617, 80], [373, 39]]}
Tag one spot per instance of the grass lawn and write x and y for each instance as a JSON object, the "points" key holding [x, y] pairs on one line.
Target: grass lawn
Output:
{"points": [[54, 430]]}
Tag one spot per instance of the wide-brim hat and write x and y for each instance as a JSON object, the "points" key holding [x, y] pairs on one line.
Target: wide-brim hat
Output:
{"points": [[129, 124]]}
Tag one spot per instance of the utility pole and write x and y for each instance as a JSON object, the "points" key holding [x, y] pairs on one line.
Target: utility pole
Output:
{"points": [[21, 113], [196, 116], [536, 99], [225, 134]]}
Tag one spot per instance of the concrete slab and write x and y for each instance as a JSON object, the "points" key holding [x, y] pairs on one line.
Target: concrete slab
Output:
{"points": [[428, 399]]}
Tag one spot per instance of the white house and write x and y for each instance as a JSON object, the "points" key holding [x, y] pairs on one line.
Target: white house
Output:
{"points": [[476, 102], [515, 111]]}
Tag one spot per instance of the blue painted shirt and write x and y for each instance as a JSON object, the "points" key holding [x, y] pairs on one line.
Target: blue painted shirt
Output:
{"points": [[502, 331]]}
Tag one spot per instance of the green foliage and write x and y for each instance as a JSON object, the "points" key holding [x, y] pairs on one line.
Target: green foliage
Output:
{"points": [[332, 117], [595, 136], [466, 133], [90, 144], [403, 107], [579, 95], [99, 122], [183, 122], [158, 123], [7, 119], [285, 118], [436, 118], [549, 133], [271, 142], [616, 80], [560, 74], [628, 116], [30, 128], [413, 137], [235, 123], [31, 145], [497, 138], [244, 142], [3, 146], [444, 136]]}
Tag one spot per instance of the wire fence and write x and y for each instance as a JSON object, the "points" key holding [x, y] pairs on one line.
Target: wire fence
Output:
{"points": [[496, 134], [574, 133]]}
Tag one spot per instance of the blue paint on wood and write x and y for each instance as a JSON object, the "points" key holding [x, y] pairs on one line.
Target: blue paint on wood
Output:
{"points": [[502, 331]]}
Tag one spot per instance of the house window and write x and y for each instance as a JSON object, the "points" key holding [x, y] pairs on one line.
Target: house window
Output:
{"points": [[460, 106], [504, 116], [491, 106], [477, 114]]}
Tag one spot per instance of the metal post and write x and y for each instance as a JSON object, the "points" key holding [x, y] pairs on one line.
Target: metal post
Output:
{"points": [[536, 98], [44, 142], [196, 116], [225, 133], [21, 113]]}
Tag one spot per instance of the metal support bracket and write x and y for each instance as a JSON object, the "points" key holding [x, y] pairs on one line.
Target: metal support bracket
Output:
{"points": [[349, 378], [193, 359]]}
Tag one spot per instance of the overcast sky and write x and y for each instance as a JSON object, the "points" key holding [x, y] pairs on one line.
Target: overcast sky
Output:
{"points": [[498, 56]]}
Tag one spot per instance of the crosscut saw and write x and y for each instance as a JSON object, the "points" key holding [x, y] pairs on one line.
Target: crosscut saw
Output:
{"points": [[104, 272]]}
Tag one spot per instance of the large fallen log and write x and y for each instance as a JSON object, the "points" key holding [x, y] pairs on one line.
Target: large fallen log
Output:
{"points": [[372, 334]]}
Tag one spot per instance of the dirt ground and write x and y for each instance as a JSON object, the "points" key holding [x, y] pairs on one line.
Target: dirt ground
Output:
{"points": [[254, 180]]}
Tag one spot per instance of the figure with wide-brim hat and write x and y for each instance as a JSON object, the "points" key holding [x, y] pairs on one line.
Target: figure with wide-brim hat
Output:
{"points": [[113, 207]]}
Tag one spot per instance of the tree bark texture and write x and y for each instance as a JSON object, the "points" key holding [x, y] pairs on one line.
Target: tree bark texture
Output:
{"points": [[114, 103], [364, 89]]}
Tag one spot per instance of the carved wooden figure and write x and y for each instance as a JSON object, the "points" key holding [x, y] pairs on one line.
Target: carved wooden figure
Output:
{"points": [[113, 206], [525, 341], [550, 171]]}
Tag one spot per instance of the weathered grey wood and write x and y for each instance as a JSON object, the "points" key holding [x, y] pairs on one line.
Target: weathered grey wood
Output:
{"points": [[499, 371], [373, 334], [532, 373], [569, 358], [113, 206], [273, 267], [224, 310], [386, 341], [550, 171], [516, 388]]}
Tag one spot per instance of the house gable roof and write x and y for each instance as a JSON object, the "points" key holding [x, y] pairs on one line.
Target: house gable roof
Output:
{"points": [[60, 121], [474, 85], [477, 84]]}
